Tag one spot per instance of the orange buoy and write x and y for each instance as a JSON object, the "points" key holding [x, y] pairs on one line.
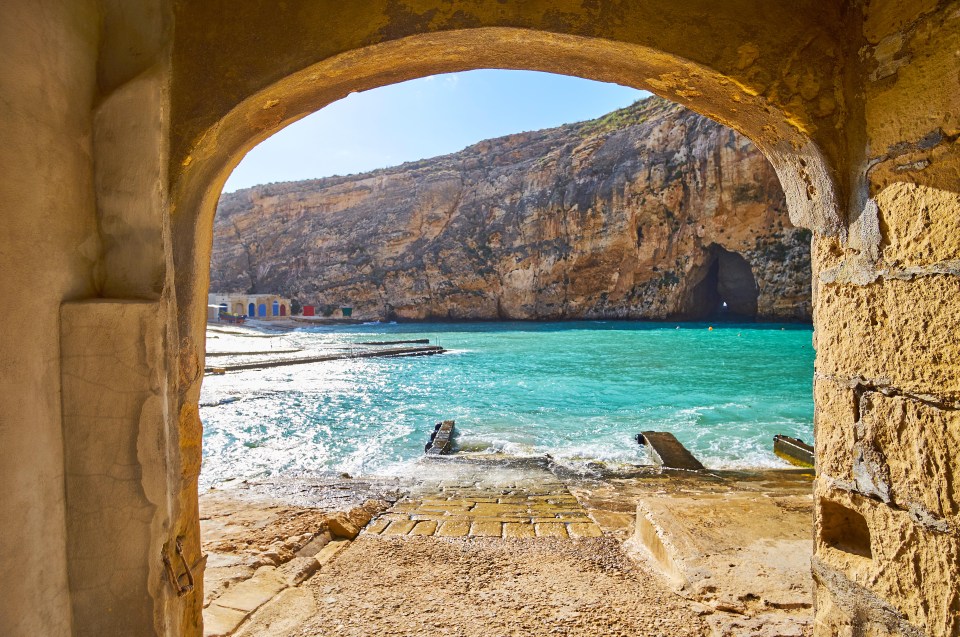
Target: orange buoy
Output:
{"points": [[710, 328]]}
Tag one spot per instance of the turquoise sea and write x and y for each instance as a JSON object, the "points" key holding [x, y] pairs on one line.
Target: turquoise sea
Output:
{"points": [[579, 391]]}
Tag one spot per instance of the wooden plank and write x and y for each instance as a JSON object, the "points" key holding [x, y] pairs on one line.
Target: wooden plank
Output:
{"points": [[668, 450]]}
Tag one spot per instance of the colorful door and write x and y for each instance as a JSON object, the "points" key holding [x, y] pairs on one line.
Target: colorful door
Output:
{"points": [[262, 310], [251, 310], [276, 309], [283, 310]]}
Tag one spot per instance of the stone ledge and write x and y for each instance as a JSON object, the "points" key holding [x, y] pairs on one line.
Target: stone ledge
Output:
{"points": [[227, 613]]}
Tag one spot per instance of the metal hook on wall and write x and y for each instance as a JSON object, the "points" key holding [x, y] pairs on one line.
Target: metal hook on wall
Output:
{"points": [[174, 579]]}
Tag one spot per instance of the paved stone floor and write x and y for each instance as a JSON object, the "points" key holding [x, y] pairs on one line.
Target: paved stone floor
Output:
{"points": [[511, 513], [506, 542], [480, 499]]}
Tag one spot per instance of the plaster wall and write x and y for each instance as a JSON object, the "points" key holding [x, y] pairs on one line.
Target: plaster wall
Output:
{"points": [[48, 248]]}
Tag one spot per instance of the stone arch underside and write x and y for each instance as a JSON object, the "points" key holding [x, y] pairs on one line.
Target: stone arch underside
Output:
{"points": [[121, 121]]}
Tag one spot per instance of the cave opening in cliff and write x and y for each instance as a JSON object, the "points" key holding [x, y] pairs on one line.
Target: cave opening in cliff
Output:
{"points": [[727, 291]]}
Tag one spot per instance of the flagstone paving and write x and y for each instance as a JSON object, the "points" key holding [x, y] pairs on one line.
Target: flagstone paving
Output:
{"points": [[542, 508]]}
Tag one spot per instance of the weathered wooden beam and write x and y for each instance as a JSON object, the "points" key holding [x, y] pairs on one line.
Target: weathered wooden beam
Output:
{"points": [[668, 451]]}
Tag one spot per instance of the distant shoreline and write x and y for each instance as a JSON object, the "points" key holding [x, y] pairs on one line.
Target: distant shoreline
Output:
{"points": [[298, 322]]}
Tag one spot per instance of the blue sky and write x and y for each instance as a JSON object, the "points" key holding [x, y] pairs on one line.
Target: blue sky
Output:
{"points": [[424, 118]]}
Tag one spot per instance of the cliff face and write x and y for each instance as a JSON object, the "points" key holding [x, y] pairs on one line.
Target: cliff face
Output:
{"points": [[649, 212]]}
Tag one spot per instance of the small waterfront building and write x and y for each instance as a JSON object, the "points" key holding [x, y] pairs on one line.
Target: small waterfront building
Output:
{"points": [[263, 307]]}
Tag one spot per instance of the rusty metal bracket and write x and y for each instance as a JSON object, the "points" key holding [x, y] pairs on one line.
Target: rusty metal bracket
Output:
{"points": [[182, 589]]}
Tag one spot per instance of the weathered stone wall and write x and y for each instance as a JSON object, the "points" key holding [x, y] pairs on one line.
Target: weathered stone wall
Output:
{"points": [[87, 487], [888, 344], [623, 216], [48, 248]]}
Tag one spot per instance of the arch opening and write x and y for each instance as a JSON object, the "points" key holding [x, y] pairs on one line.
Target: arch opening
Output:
{"points": [[208, 163], [726, 277]]}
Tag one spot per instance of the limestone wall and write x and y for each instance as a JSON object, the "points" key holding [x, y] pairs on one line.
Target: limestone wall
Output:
{"points": [[888, 343], [48, 248]]}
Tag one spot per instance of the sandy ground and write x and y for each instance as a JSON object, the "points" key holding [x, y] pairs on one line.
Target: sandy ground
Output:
{"points": [[735, 561], [479, 587]]}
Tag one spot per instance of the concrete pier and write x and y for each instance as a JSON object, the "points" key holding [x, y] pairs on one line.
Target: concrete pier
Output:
{"points": [[380, 353]]}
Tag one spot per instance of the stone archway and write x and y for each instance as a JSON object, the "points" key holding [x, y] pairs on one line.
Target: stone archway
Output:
{"points": [[854, 103], [799, 162], [793, 133]]}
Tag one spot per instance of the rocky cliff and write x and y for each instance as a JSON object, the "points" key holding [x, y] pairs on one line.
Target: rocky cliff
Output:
{"points": [[649, 212]]}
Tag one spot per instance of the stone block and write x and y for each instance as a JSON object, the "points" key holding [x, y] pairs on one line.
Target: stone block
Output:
{"points": [[377, 526], [910, 94], [341, 526], [547, 529], [920, 225], [919, 443], [426, 527], [219, 621], [453, 528], [299, 569], [905, 334], [900, 450], [518, 530], [493, 510], [399, 527], [881, 19], [438, 509], [312, 547], [486, 528], [286, 613], [834, 416], [112, 371], [584, 530], [844, 610], [880, 549], [613, 520], [330, 550], [254, 592]]}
